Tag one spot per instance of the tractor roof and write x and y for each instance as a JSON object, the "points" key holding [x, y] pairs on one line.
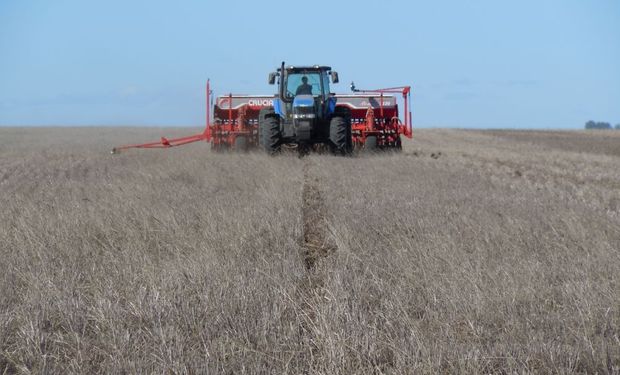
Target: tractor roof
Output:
{"points": [[291, 68]]}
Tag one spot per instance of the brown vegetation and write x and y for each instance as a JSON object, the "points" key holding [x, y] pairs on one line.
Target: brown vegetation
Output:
{"points": [[470, 252]]}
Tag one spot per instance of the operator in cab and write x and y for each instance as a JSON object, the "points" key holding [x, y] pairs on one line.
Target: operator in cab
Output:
{"points": [[304, 88]]}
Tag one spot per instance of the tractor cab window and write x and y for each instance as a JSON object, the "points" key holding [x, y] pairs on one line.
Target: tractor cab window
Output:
{"points": [[326, 84], [303, 84]]}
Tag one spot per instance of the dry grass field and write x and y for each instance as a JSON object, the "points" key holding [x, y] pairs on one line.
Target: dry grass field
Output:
{"points": [[469, 252]]}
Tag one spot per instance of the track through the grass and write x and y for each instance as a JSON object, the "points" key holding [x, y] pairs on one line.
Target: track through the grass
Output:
{"points": [[315, 242], [316, 245]]}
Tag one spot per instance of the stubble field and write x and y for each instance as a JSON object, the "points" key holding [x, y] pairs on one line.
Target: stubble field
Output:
{"points": [[469, 252]]}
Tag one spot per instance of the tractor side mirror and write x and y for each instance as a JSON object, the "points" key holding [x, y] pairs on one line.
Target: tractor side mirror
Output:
{"points": [[272, 78], [334, 77]]}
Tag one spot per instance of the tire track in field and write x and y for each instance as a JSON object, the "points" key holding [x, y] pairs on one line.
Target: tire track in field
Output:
{"points": [[315, 243], [316, 246]]}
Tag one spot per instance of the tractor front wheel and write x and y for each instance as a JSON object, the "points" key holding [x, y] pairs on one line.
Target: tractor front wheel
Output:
{"points": [[340, 136]]}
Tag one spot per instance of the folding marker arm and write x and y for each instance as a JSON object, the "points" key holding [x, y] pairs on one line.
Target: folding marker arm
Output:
{"points": [[167, 143]]}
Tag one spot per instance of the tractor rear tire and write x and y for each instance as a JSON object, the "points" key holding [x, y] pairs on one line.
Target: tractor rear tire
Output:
{"points": [[270, 132], [370, 145], [340, 135], [241, 144], [261, 117]]}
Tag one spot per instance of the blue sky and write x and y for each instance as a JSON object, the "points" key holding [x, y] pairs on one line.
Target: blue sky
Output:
{"points": [[487, 63]]}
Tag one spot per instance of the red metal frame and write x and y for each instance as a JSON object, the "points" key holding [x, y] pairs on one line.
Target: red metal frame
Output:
{"points": [[387, 126], [406, 129], [207, 132], [231, 123]]}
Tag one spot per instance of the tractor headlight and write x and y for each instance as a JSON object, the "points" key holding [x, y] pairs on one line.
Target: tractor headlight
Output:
{"points": [[304, 112], [304, 115]]}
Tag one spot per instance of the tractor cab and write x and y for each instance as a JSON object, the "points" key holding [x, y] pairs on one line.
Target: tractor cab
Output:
{"points": [[304, 92]]}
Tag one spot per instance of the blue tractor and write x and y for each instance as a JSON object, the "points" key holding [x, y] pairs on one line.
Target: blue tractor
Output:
{"points": [[304, 112]]}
